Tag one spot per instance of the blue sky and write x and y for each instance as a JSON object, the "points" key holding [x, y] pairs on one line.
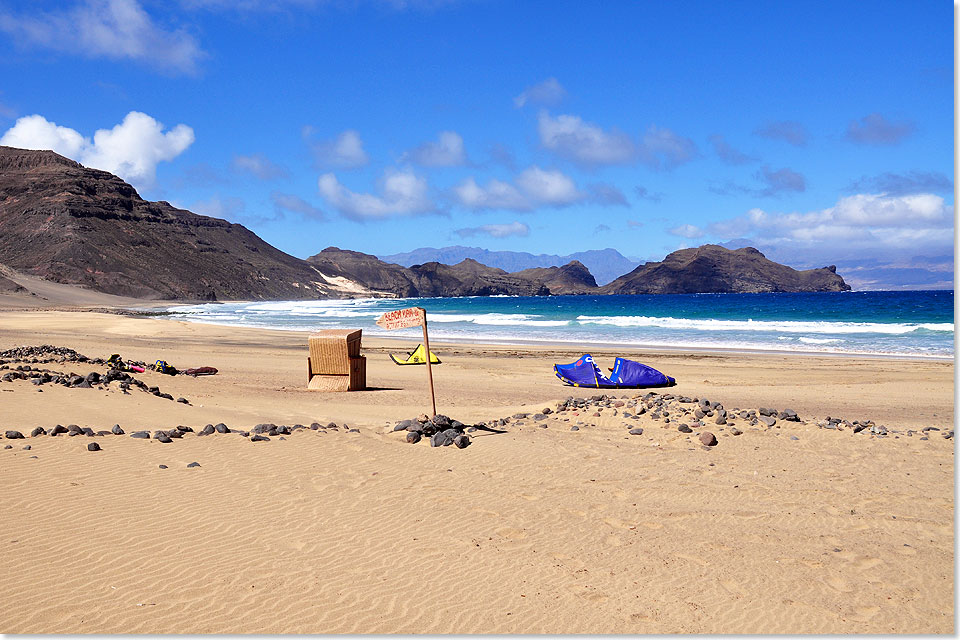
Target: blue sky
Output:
{"points": [[820, 132]]}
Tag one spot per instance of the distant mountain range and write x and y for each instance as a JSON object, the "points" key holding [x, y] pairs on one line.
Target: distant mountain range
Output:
{"points": [[606, 265], [72, 225]]}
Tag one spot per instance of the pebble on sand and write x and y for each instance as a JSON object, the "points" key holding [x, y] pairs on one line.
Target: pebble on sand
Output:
{"points": [[93, 446], [708, 439]]}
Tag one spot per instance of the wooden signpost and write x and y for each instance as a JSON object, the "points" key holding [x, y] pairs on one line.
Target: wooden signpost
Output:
{"points": [[404, 319]]}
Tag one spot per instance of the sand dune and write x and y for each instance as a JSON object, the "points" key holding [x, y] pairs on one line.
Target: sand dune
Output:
{"points": [[794, 529]]}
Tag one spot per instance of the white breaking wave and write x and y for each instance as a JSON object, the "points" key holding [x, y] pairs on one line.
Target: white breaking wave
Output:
{"points": [[785, 326], [499, 319]]}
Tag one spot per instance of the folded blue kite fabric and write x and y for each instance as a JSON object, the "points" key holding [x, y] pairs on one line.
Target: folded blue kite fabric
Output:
{"points": [[626, 374]]}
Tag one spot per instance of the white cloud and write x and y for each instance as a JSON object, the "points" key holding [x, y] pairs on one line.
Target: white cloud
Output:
{"points": [[344, 152], [583, 142], [402, 193], [548, 187], [448, 151], [532, 188], [496, 195], [867, 226], [687, 231], [549, 92], [260, 166], [115, 29], [664, 149], [496, 230], [131, 149]]}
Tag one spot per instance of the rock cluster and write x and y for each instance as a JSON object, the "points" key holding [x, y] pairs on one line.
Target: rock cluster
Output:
{"points": [[441, 430]]}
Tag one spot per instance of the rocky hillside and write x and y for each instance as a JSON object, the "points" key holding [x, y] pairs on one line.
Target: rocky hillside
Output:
{"points": [[714, 269], [73, 225], [466, 278]]}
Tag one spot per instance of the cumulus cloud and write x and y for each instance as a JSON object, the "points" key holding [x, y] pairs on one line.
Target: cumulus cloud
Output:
{"points": [[687, 231], [495, 230], [875, 129], [780, 180], [789, 131], [447, 151], [861, 225], [664, 149], [727, 153], [896, 184], [532, 188], [131, 149], [259, 166], [548, 187], [343, 152], [583, 142], [283, 202], [549, 93], [495, 195], [114, 29], [401, 193]]}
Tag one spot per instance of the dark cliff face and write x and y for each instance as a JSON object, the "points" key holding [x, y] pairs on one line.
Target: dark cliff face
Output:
{"points": [[73, 225], [571, 279], [715, 269]]}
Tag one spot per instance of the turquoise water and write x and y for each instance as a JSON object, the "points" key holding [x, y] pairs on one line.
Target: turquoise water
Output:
{"points": [[908, 323]]}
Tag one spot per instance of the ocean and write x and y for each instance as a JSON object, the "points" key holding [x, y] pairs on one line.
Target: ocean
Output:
{"points": [[891, 323]]}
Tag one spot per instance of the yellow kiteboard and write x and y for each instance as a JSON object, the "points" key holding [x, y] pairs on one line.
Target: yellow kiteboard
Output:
{"points": [[417, 356]]}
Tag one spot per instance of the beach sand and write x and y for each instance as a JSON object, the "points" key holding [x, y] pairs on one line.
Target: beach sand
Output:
{"points": [[793, 529]]}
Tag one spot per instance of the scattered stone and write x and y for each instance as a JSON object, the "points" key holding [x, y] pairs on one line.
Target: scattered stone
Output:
{"points": [[413, 437], [183, 401], [462, 441], [193, 464], [163, 466], [684, 429], [39, 431], [221, 428], [116, 430], [734, 431], [162, 437], [766, 412], [574, 428], [207, 430], [636, 431], [708, 439], [259, 438], [13, 435], [27, 447], [794, 438], [140, 434], [57, 430], [9, 446], [768, 420], [93, 446]]}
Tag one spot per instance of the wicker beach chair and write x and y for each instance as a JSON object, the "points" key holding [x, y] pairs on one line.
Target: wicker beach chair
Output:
{"points": [[335, 363]]}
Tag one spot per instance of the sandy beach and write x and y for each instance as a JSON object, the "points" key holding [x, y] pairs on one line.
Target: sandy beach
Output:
{"points": [[539, 529]]}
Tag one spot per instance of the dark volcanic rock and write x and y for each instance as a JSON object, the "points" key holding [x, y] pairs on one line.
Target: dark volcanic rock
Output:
{"points": [[13, 435], [73, 225], [708, 439], [413, 437], [93, 446], [715, 269], [462, 441]]}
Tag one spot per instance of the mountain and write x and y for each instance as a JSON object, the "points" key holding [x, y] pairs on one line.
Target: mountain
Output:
{"points": [[466, 278], [604, 264], [715, 269], [73, 225]]}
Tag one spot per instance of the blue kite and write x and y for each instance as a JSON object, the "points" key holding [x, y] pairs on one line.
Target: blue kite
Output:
{"points": [[626, 374]]}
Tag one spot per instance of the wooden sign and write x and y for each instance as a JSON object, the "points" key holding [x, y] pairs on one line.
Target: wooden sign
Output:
{"points": [[404, 319]]}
